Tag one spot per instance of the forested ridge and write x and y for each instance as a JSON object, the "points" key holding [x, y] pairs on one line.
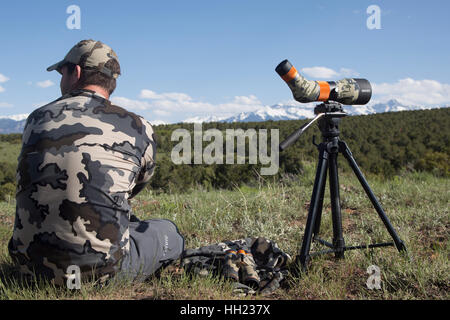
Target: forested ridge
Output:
{"points": [[382, 144]]}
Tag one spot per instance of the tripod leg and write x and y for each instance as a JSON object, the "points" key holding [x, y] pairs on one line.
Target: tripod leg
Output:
{"points": [[348, 155], [338, 239], [319, 210], [314, 206]]}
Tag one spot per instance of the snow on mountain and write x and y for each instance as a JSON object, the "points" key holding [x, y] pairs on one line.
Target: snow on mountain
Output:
{"points": [[199, 119], [276, 112], [16, 123], [305, 111], [157, 122], [378, 107], [16, 117]]}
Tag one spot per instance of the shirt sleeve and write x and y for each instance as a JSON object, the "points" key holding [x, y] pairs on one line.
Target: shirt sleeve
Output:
{"points": [[147, 162]]}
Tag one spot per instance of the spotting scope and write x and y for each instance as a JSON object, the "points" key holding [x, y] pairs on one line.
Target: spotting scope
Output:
{"points": [[348, 91]]}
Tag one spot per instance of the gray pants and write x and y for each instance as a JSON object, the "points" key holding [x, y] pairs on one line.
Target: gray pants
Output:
{"points": [[154, 244]]}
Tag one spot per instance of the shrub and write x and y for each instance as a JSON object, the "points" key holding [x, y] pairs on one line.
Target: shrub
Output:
{"points": [[7, 190]]}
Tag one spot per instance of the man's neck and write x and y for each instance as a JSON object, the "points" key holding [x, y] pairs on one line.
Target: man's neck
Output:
{"points": [[98, 90]]}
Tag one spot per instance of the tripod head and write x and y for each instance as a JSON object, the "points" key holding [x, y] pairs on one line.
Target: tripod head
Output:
{"points": [[329, 107], [329, 113]]}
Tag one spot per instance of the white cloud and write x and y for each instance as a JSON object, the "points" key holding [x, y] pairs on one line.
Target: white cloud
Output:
{"points": [[5, 105], [45, 84], [17, 117], [327, 73], [3, 78], [162, 113], [320, 72], [348, 73], [414, 92], [176, 104], [175, 96], [131, 104]]}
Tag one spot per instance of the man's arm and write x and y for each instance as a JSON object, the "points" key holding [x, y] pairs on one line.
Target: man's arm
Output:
{"points": [[144, 178], [147, 168]]}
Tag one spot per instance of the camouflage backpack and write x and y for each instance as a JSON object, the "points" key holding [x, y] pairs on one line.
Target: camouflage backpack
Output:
{"points": [[254, 264]]}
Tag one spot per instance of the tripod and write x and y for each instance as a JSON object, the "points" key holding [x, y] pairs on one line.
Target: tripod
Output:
{"points": [[329, 115]]}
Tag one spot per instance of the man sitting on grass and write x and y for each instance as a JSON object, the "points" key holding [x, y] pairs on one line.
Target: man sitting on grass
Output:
{"points": [[82, 159]]}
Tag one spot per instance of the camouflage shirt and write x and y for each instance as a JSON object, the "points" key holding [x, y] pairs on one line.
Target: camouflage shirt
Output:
{"points": [[82, 158]]}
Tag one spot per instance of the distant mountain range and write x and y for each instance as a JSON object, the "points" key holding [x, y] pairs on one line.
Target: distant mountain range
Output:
{"points": [[304, 111], [13, 124], [16, 123]]}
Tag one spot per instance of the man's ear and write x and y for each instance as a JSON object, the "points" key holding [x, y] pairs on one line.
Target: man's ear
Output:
{"points": [[77, 72]]}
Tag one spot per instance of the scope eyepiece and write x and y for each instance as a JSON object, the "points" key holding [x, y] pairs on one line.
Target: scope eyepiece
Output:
{"points": [[284, 68], [347, 91]]}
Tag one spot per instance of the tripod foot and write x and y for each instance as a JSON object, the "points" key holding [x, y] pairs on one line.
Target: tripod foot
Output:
{"points": [[401, 247], [300, 266]]}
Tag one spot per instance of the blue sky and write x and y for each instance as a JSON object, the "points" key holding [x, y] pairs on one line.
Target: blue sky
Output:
{"points": [[190, 58]]}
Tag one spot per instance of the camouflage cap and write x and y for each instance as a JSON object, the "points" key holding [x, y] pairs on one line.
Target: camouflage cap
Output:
{"points": [[91, 54]]}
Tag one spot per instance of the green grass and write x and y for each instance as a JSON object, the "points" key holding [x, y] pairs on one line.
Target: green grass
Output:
{"points": [[416, 203], [9, 152]]}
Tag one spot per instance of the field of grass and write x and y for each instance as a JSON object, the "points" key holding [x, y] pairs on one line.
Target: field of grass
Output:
{"points": [[9, 152], [416, 203]]}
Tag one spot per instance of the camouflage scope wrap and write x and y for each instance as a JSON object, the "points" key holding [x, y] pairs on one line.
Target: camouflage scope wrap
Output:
{"points": [[347, 91], [252, 263]]}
